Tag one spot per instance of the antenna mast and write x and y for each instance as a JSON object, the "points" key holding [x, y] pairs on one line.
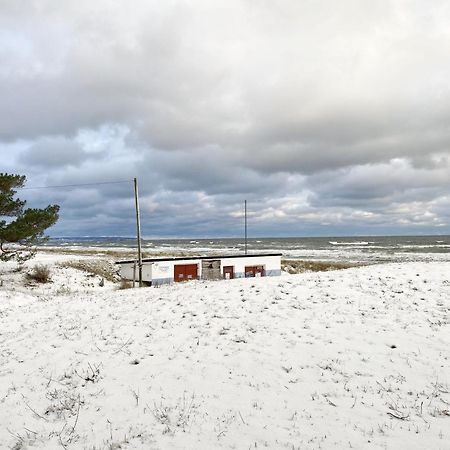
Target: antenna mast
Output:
{"points": [[245, 219]]}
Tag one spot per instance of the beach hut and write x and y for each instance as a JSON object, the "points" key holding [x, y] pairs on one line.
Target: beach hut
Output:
{"points": [[156, 271]]}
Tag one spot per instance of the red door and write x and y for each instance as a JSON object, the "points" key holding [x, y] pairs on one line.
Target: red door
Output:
{"points": [[228, 272], [254, 271], [185, 272]]}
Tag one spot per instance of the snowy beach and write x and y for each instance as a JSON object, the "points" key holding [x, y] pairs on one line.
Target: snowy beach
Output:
{"points": [[239, 218], [355, 358]]}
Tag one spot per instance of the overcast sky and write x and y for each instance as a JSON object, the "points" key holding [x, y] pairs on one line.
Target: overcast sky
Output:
{"points": [[329, 117]]}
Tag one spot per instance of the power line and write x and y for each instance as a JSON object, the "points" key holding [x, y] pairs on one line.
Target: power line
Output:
{"points": [[76, 185]]}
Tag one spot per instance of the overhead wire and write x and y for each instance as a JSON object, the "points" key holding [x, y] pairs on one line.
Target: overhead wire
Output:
{"points": [[75, 185]]}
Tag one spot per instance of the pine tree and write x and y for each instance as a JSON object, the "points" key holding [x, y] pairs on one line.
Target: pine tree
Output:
{"points": [[23, 228]]}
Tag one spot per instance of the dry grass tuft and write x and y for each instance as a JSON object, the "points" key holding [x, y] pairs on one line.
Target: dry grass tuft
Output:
{"points": [[294, 266], [125, 284], [39, 274]]}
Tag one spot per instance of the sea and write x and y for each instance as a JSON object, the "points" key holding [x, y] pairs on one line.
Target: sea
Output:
{"points": [[364, 249]]}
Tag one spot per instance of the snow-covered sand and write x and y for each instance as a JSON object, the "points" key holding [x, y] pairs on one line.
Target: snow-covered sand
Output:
{"points": [[357, 358]]}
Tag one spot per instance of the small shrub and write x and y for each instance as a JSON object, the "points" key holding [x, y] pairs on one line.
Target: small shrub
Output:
{"points": [[63, 403], [63, 290], [39, 274], [91, 374], [125, 284]]}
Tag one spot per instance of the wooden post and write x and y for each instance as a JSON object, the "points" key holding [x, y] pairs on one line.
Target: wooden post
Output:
{"points": [[138, 230], [134, 274], [245, 219]]}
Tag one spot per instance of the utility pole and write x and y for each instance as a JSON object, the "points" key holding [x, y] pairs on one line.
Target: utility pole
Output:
{"points": [[138, 229], [245, 220]]}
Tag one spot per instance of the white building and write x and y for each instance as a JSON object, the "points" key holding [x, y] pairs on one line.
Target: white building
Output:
{"points": [[157, 271]]}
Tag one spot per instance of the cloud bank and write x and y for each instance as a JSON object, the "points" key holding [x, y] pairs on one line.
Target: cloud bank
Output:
{"points": [[328, 119]]}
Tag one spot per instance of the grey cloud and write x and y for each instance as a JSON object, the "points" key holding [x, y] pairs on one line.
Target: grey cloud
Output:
{"points": [[53, 152], [187, 81], [210, 170], [379, 184]]}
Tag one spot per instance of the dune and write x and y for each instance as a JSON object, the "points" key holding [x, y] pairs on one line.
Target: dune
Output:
{"points": [[356, 358]]}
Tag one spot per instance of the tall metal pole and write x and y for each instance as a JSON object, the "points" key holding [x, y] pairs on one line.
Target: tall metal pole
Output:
{"points": [[245, 219], [138, 230]]}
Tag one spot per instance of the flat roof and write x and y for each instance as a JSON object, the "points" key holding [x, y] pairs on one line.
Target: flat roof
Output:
{"points": [[189, 258]]}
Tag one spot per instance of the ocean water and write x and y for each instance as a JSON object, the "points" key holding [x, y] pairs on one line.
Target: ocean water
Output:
{"points": [[354, 249]]}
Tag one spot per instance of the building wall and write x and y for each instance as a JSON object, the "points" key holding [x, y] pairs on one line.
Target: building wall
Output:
{"points": [[211, 269], [161, 272], [126, 271], [272, 264]]}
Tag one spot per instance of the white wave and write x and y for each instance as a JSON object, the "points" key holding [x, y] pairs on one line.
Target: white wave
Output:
{"points": [[350, 243], [425, 246]]}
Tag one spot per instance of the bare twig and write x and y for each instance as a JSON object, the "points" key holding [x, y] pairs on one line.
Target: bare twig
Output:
{"points": [[136, 396], [76, 419], [34, 412], [329, 401], [398, 416], [129, 341]]}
